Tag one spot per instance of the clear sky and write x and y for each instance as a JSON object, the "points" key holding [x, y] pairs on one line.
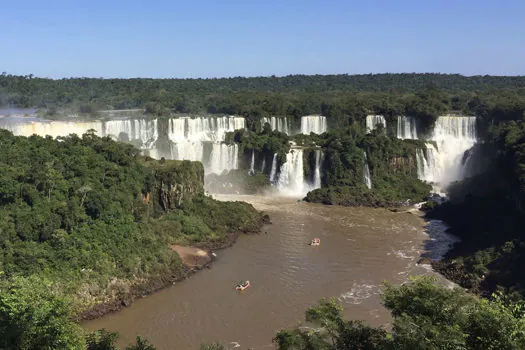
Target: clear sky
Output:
{"points": [[215, 38]]}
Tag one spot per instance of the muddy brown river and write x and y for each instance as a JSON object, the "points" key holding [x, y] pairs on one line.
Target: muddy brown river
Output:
{"points": [[360, 248]]}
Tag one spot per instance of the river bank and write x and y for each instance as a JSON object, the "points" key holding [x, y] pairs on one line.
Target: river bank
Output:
{"points": [[360, 248], [193, 258]]}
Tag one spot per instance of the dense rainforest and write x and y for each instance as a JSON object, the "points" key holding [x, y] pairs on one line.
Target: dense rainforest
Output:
{"points": [[87, 221], [342, 98]]}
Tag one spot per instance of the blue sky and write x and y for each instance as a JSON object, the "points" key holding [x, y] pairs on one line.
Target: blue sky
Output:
{"points": [[206, 38]]}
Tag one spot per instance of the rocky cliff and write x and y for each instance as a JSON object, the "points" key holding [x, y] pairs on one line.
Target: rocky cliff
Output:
{"points": [[171, 183]]}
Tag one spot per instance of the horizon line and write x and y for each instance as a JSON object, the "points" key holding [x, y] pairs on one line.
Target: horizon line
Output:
{"points": [[261, 76]]}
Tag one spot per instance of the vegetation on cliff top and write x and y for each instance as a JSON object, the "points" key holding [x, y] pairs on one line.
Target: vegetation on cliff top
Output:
{"points": [[86, 220]]}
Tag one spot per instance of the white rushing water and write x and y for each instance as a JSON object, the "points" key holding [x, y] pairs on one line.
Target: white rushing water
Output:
{"points": [[273, 172], [372, 121], [223, 157], [316, 124], [317, 171], [197, 139], [291, 177], [191, 135], [281, 124], [142, 130], [406, 128], [442, 161], [252, 164], [366, 172], [291, 180]]}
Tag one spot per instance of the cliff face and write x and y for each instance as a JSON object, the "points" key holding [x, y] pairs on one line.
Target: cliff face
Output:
{"points": [[173, 182]]}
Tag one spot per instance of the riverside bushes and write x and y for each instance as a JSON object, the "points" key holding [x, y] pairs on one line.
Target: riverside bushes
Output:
{"points": [[81, 224]]}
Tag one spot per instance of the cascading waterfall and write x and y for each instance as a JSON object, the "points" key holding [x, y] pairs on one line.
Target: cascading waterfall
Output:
{"points": [[280, 124], [134, 129], [189, 135], [372, 121], [291, 177], [315, 124], [143, 130], [252, 164], [317, 172], [42, 127], [263, 165], [273, 172], [406, 128], [196, 139], [442, 161], [427, 169], [366, 172], [223, 158]]}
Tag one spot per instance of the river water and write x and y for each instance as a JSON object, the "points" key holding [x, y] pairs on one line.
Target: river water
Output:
{"points": [[360, 248]]}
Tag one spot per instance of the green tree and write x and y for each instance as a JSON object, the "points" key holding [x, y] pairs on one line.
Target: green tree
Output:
{"points": [[32, 317]]}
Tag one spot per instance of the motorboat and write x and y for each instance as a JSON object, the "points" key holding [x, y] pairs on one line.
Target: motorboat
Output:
{"points": [[242, 285]]}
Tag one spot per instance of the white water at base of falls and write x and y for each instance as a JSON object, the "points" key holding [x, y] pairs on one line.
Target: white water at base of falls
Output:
{"points": [[273, 172], [291, 177], [280, 124], [317, 171], [315, 124], [252, 164], [406, 128], [366, 172], [372, 121]]}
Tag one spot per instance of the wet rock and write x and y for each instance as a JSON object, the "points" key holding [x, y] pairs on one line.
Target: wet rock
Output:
{"points": [[424, 261]]}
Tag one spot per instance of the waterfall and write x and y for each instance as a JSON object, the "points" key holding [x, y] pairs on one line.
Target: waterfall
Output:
{"points": [[442, 161], [189, 135], [145, 131], [372, 121], [142, 130], [252, 164], [317, 172], [406, 128], [29, 126], [427, 167], [315, 124], [280, 124], [197, 139], [291, 176], [273, 172], [212, 129], [263, 165], [223, 157], [366, 172]]}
